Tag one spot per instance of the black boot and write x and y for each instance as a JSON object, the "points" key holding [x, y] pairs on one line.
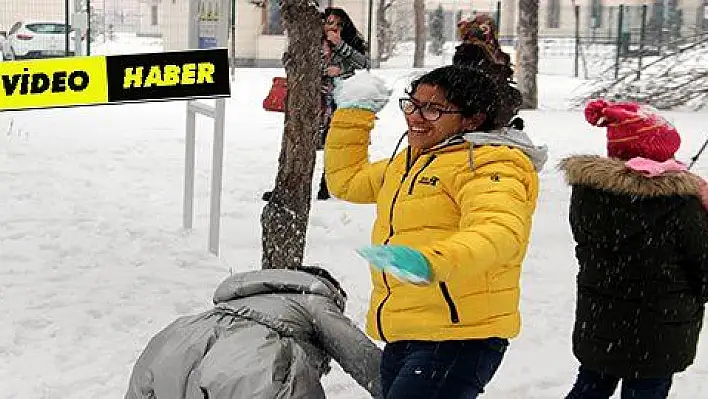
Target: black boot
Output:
{"points": [[323, 193]]}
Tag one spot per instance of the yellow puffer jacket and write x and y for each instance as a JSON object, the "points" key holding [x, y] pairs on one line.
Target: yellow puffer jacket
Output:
{"points": [[472, 225]]}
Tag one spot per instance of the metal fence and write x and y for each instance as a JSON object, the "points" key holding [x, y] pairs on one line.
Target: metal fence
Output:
{"points": [[588, 40], [41, 28], [640, 34]]}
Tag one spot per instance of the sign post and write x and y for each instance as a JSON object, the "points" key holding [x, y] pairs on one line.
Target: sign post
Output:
{"points": [[207, 28], [79, 22], [233, 40]]}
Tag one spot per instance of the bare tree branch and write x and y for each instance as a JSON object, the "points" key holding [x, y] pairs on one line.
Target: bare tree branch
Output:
{"points": [[676, 79]]}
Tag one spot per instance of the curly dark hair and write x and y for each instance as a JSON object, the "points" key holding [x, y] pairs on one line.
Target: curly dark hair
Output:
{"points": [[350, 34], [473, 56], [471, 90]]}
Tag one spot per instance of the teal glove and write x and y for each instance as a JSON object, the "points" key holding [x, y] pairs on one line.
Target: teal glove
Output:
{"points": [[405, 263], [363, 90]]}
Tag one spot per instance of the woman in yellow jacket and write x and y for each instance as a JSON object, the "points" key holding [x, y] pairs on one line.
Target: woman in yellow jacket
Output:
{"points": [[453, 218]]}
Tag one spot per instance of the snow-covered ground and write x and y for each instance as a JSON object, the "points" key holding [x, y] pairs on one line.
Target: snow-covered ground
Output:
{"points": [[93, 260], [126, 43]]}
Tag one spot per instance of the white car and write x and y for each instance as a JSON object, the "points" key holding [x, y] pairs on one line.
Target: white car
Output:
{"points": [[37, 39]]}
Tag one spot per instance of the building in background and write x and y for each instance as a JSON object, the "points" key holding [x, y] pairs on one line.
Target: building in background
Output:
{"points": [[599, 18], [141, 17], [149, 21], [259, 34], [135, 16], [260, 40]]}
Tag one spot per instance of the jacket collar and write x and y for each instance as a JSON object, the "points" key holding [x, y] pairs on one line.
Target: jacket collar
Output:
{"points": [[510, 137], [449, 144], [611, 174], [273, 281]]}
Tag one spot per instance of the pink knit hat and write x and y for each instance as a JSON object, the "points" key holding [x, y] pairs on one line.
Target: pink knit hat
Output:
{"points": [[634, 130]]}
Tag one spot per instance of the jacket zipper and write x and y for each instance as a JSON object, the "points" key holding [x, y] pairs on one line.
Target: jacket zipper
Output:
{"points": [[454, 316], [415, 177], [451, 142], [379, 310]]}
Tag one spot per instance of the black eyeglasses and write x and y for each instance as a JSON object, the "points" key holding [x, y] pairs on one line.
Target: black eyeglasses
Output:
{"points": [[427, 112]]}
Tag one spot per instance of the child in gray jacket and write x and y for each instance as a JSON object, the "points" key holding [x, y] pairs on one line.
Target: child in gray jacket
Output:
{"points": [[271, 334]]}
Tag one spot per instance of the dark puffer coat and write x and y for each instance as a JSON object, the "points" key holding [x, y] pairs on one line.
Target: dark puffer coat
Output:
{"points": [[642, 248]]}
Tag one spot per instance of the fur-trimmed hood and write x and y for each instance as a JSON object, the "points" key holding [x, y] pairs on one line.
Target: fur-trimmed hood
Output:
{"points": [[611, 174]]}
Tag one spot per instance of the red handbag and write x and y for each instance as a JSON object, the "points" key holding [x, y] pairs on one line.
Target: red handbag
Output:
{"points": [[275, 100]]}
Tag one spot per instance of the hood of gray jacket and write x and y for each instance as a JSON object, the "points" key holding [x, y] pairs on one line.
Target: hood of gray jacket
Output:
{"points": [[275, 281], [508, 136], [270, 335]]}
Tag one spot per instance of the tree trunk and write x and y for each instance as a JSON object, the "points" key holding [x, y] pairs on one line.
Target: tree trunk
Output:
{"points": [[384, 33], [285, 217], [419, 52], [528, 53]]}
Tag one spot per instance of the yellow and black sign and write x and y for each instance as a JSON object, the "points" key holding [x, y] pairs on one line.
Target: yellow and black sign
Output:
{"points": [[74, 81]]}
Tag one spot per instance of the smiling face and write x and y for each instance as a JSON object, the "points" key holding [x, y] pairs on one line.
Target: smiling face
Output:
{"points": [[423, 133]]}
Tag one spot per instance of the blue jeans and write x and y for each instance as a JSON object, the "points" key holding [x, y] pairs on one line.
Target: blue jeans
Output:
{"points": [[594, 385], [440, 370]]}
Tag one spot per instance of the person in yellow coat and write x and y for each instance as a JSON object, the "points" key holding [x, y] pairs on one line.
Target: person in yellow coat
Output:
{"points": [[453, 218]]}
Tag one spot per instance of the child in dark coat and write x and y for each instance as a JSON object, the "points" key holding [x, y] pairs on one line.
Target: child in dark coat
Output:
{"points": [[641, 234]]}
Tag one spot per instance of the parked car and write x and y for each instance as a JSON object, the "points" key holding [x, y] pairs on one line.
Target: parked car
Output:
{"points": [[37, 39]]}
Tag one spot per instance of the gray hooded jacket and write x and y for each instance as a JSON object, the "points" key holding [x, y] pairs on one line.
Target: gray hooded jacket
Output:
{"points": [[508, 136], [271, 334]]}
